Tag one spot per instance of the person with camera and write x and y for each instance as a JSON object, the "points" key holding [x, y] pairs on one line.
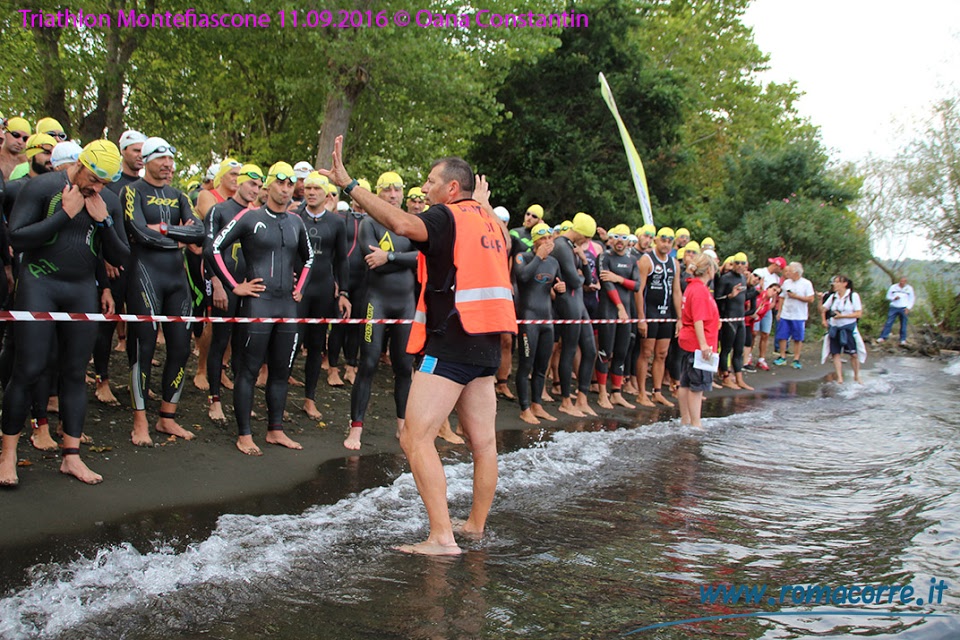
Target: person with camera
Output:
{"points": [[839, 314]]}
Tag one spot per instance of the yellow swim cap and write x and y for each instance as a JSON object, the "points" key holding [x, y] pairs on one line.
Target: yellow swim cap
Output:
{"points": [[249, 172], [682, 251], [19, 125], [102, 158], [619, 230], [708, 243], [683, 232], [226, 165], [364, 184], [389, 179], [536, 210], [315, 179], [38, 143], [563, 226], [416, 192], [740, 256], [666, 232], [280, 170], [330, 188], [647, 230], [540, 230], [584, 224], [46, 125], [693, 245]]}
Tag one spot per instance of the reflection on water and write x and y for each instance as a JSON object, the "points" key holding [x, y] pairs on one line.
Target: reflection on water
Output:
{"points": [[597, 531]]}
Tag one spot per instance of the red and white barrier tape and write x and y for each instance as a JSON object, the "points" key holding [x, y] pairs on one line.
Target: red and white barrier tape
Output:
{"points": [[61, 316]]}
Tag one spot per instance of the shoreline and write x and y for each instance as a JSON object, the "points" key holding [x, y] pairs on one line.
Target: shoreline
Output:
{"points": [[177, 477]]}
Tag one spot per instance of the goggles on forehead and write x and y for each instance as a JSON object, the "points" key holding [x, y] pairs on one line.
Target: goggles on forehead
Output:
{"points": [[60, 135], [253, 175], [540, 233], [670, 238], [101, 173], [390, 185], [283, 177], [163, 149], [46, 147]]}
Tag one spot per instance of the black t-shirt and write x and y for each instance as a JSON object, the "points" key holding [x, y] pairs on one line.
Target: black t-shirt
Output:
{"points": [[448, 340]]}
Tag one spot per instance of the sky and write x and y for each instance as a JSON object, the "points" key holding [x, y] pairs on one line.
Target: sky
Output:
{"points": [[870, 71]]}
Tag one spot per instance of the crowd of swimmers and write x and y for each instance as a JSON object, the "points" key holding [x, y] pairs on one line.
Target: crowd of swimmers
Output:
{"points": [[602, 312]]}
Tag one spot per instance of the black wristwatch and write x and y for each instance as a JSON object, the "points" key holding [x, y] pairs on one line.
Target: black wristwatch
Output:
{"points": [[347, 189]]}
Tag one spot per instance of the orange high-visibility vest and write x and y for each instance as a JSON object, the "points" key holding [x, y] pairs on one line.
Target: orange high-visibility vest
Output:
{"points": [[483, 294]]}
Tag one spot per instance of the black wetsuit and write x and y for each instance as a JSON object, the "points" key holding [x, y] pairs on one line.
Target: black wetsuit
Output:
{"points": [[346, 337], [328, 238], [535, 279], [274, 245], [732, 334], [390, 294], [158, 284], [615, 338], [59, 262], [570, 306], [216, 219], [658, 298], [118, 288]]}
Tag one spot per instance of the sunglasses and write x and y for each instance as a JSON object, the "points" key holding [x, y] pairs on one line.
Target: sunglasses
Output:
{"points": [[253, 175], [17, 135], [667, 238], [60, 135]]}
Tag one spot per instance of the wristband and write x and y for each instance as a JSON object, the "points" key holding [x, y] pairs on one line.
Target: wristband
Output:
{"points": [[345, 294], [347, 189]]}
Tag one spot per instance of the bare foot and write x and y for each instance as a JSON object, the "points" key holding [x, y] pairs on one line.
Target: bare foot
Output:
{"points": [[527, 416], [430, 549], [325, 363], [503, 390], [730, 383], [310, 408], [8, 466], [121, 345], [225, 381], [73, 466], [215, 413], [464, 528], [566, 406], [41, 439], [447, 434], [630, 388], [140, 436], [246, 445], [262, 377], [170, 427], [857, 380], [658, 397], [293, 382], [644, 400], [540, 412], [583, 405], [839, 380], [278, 437], [105, 394], [604, 400], [618, 399], [349, 374], [353, 439], [744, 385], [545, 397], [200, 382], [333, 377]]}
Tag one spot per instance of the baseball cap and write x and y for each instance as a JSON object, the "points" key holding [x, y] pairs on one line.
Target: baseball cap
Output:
{"points": [[19, 124], [154, 148], [302, 169], [502, 213], [536, 210], [65, 153], [102, 158], [129, 137], [584, 224], [38, 143], [779, 261], [389, 179]]}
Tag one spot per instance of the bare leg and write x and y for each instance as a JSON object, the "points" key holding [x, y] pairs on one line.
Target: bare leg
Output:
{"points": [[215, 412], [477, 409], [203, 347], [695, 402], [659, 364], [72, 465], [350, 374], [646, 352], [742, 383], [604, 399], [856, 369], [683, 397], [8, 461]]}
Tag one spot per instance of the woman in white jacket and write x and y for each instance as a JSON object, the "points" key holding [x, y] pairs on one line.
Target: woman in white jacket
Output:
{"points": [[840, 313]]}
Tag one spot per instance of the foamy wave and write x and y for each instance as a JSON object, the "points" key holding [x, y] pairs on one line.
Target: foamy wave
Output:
{"points": [[953, 368]]}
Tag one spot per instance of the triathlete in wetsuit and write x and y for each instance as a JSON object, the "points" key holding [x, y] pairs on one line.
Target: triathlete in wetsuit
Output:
{"points": [[730, 291], [536, 273], [660, 296], [620, 276], [131, 143], [274, 243], [575, 272], [62, 224], [223, 303], [158, 218], [391, 282], [327, 295], [346, 337]]}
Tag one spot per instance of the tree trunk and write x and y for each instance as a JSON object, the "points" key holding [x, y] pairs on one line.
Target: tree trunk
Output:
{"points": [[337, 112], [890, 273], [54, 88]]}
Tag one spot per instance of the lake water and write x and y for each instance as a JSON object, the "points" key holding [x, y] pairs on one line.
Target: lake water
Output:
{"points": [[598, 531]]}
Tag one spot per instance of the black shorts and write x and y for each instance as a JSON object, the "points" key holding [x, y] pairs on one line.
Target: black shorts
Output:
{"points": [[459, 372], [691, 377], [661, 330]]}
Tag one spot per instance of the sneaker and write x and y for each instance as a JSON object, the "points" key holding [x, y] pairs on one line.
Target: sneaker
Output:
{"points": [[797, 365], [780, 362], [881, 340], [903, 343], [749, 368], [763, 366]]}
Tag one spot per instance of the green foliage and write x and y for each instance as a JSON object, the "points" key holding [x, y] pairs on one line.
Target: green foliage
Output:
{"points": [[942, 308]]}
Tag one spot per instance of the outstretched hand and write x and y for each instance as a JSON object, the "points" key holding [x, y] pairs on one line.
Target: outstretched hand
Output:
{"points": [[337, 173], [481, 192]]}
